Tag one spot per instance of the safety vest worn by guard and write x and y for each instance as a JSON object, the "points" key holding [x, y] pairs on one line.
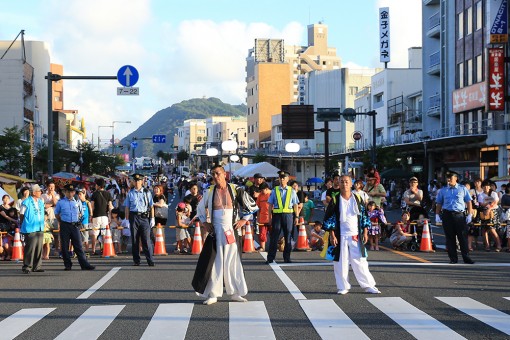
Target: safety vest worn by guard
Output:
{"points": [[281, 209]]}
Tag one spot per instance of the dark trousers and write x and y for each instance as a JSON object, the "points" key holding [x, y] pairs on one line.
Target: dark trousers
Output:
{"points": [[70, 233], [32, 257], [281, 222], [455, 228], [141, 229]]}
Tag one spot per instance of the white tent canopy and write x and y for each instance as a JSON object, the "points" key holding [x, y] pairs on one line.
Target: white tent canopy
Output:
{"points": [[232, 166], [264, 168]]}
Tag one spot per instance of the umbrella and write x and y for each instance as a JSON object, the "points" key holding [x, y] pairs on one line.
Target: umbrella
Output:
{"points": [[314, 180], [395, 173]]}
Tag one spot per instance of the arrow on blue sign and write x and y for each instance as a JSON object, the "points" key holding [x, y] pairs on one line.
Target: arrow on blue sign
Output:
{"points": [[159, 138], [127, 75], [134, 145]]}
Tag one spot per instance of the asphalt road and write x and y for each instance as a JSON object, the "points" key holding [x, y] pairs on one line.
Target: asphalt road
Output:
{"points": [[422, 297]]}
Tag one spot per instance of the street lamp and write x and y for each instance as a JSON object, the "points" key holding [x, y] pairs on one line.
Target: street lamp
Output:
{"points": [[211, 152], [229, 145], [292, 148], [113, 134]]}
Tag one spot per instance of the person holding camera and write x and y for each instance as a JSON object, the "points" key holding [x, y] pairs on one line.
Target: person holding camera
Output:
{"points": [[140, 212]]}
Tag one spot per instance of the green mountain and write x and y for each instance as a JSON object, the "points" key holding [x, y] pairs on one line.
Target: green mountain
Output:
{"points": [[166, 121]]}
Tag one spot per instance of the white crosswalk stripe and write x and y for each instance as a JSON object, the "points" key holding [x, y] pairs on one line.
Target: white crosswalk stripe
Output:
{"points": [[20, 321], [170, 321], [330, 321], [251, 320], [477, 310], [419, 324], [92, 323]]}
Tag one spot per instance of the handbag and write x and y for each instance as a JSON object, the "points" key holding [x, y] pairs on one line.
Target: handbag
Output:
{"points": [[161, 212], [204, 264]]}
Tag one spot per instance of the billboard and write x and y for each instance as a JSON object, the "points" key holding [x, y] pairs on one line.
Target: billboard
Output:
{"points": [[496, 79], [498, 21], [384, 34]]}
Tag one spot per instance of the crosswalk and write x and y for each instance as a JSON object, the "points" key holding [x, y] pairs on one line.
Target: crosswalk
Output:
{"points": [[251, 319]]}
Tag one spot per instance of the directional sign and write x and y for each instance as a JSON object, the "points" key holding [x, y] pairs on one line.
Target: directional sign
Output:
{"points": [[134, 145], [127, 75], [159, 138], [128, 91]]}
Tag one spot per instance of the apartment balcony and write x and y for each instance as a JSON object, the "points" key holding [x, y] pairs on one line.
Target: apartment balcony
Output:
{"points": [[430, 2], [434, 26], [434, 107], [434, 63]]}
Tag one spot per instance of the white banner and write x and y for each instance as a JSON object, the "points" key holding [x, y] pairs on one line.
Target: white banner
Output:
{"points": [[384, 34]]}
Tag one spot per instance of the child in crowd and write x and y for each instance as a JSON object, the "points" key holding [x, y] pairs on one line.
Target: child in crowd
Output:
{"points": [[182, 213], [376, 216], [308, 206], [6, 242], [316, 236], [125, 232], [116, 233], [85, 218], [401, 234], [263, 214], [48, 237]]}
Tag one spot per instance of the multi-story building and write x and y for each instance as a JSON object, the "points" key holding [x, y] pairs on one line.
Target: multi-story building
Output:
{"points": [[273, 78]]}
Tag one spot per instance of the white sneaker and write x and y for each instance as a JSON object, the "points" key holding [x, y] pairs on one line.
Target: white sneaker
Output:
{"points": [[210, 301], [238, 298], [343, 292], [372, 290]]}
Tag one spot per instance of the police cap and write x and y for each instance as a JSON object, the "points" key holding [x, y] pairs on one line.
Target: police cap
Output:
{"points": [[283, 174], [70, 187], [138, 177], [452, 173]]}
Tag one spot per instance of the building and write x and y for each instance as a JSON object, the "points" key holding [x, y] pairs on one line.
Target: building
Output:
{"points": [[273, 78]]}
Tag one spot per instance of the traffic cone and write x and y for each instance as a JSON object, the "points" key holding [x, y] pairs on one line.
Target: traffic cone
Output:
{"points": [[17, 247], [196, 248], [248, 246], [426, 242], [159, 248], [108, 250], [302, 241]]}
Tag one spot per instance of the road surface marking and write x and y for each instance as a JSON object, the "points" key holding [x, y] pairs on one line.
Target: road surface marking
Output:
{"points": [[330, 321], [418, 323], [249, 320], [400, 264], [170, 321], [478, 310], [92, 323], [20, 321], [99, 284], [409, 256], [291, 286]]}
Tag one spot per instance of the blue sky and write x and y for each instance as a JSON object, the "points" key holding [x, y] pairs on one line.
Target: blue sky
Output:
{"points": [[190, 49]]}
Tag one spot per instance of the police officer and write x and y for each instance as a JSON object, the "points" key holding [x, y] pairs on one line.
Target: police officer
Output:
{"points": [[451, 202], [68, 212], [283, 214], [140, 212]]}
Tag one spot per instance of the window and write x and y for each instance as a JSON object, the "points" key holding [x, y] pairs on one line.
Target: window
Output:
{"points": [[199, 139], [479, 16], [469, 21], [460, 25], [479, 68], [378, 98], [460, 75], [353, 90], [469, 72]]}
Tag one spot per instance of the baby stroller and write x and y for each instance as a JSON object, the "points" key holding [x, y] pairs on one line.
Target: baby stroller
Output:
{"points": [[417, 231]]}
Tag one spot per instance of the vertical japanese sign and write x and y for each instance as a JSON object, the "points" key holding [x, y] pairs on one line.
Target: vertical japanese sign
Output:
{"points": [[498, 21], [496, 79], [384, 34]]}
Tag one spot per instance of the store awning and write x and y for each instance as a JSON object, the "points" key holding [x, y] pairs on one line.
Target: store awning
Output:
{"points": [[16, 178]]}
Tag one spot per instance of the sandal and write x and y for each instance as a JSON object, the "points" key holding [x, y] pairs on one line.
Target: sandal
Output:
{"points": [[487, 249], [470, 249], [498, 250]]}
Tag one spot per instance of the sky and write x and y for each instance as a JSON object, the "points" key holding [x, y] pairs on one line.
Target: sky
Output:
{"points": [[190, 49]]}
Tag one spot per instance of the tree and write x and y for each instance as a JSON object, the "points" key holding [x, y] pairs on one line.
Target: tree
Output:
{"points": [[182, 156], [259, 157], [14, 152], [61, 158]]}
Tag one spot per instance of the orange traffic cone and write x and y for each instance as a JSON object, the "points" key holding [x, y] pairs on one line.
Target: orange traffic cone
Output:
{"points": [[159, 247], [302, 240], [426, 242], [248, 246], [17, 247], [108, 250], [196, 248]]}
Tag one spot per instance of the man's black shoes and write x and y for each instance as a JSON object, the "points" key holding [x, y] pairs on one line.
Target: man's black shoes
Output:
{"points": [[90, 267]]}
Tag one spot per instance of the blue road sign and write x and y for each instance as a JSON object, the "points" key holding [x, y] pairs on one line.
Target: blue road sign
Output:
{"points": [[127, 75], [159, 138], [134, 145]]}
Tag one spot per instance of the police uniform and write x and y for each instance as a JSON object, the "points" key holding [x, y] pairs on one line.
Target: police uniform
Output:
{"points": [[452, 201], [69, 212], [138, 204], [283, 201]]}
